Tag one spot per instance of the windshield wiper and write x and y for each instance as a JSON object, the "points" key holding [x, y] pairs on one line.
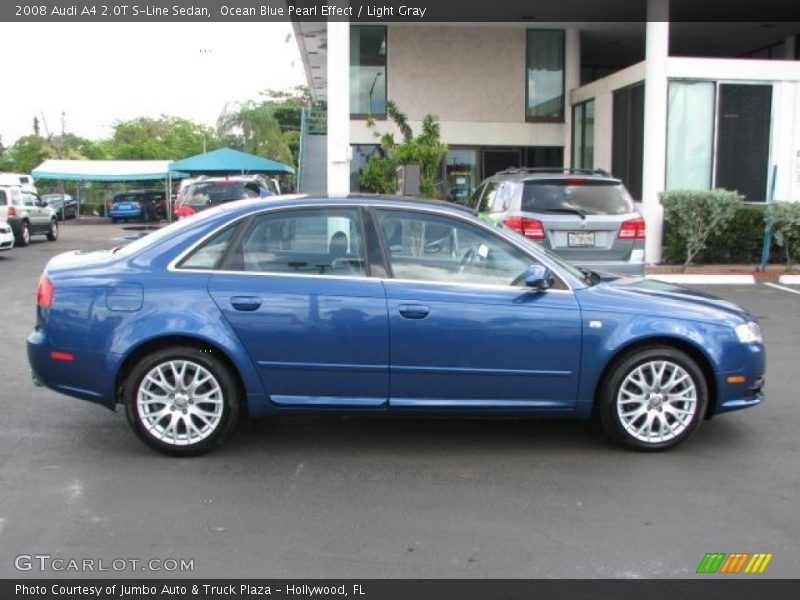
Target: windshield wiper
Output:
{"points": [[571, 211]]}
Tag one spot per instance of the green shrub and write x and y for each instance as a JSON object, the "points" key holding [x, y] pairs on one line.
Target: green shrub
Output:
{"points": [[695, 215], [784, 217]]}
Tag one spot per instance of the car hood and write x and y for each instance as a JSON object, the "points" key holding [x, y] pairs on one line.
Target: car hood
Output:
{"points": [[658, 298]]}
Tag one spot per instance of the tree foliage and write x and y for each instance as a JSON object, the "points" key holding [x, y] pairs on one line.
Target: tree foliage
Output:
{"points": [[695, 214], [164, 138], [425, 150], [784, 219]]}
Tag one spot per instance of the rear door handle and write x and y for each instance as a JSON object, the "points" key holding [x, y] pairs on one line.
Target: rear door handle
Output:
{"points": [[245, 303], [413, 311]]}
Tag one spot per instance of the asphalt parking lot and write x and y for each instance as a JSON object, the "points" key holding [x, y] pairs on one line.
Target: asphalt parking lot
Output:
{"points": [[401, 498]]}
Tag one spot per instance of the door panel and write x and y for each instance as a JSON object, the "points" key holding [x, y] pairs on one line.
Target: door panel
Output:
{"points": [[311, 320], [314, 340], [460, 333], [480, 346]]}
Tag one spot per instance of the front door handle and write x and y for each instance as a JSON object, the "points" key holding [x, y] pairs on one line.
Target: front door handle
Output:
{"points": [[245, 303], [413, 311]]}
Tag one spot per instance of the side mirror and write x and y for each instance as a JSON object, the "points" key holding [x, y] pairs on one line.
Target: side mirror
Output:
{"points": [[539, 278]]}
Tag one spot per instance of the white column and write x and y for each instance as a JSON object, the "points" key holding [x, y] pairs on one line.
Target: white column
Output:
{"points": [[339, 152], [655, 124], [572, 80]]}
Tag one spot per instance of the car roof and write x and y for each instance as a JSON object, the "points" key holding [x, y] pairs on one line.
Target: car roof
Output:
{"points": [[378, 200], [534, 173]]}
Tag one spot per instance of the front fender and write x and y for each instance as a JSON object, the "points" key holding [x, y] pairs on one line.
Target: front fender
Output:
{"points": [[608, 335]]}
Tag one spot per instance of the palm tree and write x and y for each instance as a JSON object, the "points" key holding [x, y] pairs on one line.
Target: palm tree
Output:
{"points": [[253, 128]]}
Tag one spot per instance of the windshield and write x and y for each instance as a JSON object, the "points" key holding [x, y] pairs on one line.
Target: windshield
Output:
{"points": [[587, 197], [569, 267], [211, 193]]}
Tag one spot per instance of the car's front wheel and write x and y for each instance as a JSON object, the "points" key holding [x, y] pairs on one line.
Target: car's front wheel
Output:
{"points": [[182, 400], [653, 399]]}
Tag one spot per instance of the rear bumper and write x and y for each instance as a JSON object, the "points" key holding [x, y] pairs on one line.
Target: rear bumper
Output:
{"points": [[124, 213], [614, 267], [89, 375]]}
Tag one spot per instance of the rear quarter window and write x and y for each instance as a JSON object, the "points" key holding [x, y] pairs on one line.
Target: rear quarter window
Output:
{"points": [[565, 196]]}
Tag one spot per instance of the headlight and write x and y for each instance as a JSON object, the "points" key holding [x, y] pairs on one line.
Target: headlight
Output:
{"points": [[749, 333]]}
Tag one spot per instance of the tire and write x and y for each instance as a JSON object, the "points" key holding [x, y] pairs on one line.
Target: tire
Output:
{"points": [[52, 234], [636, 407], [24, 237], [209, 413], [114, 220]]}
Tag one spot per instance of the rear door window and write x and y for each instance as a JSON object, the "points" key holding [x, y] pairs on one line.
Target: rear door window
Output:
{"points": [[302, 242], [570, 196], [3, 199]]}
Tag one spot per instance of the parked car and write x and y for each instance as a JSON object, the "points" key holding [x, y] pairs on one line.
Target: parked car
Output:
{"points": [[285, 306], [27, 215], [206, 192], [6, 236], [64, 205], [587, 217], [138, 205]]}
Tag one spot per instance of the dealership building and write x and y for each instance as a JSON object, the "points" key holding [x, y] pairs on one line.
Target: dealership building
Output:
{"points": [[662, 105]]}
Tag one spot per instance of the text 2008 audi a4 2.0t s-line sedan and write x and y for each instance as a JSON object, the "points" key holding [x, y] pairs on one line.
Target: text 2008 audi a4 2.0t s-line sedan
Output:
{"points": [[377, 306]]}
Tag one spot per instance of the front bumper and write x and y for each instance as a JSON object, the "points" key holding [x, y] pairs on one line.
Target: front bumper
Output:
{"points": [[747, 387]]}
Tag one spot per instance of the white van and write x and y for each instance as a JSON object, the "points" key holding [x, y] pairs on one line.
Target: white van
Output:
{"points": [[25, 182]]}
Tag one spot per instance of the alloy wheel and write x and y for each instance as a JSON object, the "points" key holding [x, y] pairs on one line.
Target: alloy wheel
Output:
{"points": [[180, 402], [657, 401]]}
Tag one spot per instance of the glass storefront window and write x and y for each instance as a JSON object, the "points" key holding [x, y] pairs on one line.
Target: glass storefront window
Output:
{"points": [[367, 70], [690, 135], [545, 74], [460, 175], [583, 135]]}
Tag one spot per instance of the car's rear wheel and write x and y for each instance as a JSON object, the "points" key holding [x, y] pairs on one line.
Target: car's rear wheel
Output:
{"points": [[653, 399], [52, 234], [24, 237], [181, 401]]}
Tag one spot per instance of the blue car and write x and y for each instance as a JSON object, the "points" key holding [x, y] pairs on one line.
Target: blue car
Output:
{"points": [[368, 306], [137, 205]]}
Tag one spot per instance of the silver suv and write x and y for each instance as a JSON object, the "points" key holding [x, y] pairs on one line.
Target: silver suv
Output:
{"points": [[587, 217]]}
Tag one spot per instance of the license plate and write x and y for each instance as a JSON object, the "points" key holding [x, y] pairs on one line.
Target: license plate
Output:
{"points": [[580, 239]]}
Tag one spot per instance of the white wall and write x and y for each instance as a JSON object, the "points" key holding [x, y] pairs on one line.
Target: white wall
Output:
{"points": [[602, 91], [472, 78]]}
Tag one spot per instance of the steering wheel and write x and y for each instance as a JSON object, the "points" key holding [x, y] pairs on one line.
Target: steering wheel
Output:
{"points": [[466, 261]]}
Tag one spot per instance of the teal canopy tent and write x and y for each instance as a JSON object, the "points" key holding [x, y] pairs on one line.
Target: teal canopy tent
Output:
{"points": [[227, 161]]}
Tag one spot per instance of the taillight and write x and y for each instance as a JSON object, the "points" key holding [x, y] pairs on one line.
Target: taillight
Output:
{"points": [[533, 229], [184, 211], [44, 293], [632, 229], [139, 203], [12, 212]]}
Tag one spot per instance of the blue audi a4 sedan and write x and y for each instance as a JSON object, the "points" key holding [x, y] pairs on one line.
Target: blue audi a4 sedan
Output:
{"points": [[379, 306]]}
